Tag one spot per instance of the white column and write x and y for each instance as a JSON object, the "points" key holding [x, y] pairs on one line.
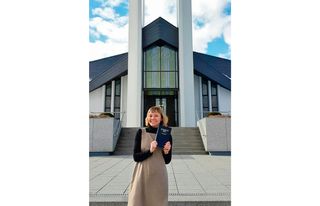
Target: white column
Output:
{"points": [[112, 96], [209, 96], [187, 105], [134, 64]]}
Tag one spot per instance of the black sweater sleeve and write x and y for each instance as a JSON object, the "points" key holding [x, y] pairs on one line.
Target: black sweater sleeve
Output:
{"points": [[138, 155], [167, 157]]}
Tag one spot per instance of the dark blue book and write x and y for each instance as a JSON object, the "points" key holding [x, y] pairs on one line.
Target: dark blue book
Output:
{"points": [[163, 135]]}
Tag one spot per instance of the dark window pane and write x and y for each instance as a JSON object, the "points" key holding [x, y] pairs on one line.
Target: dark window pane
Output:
{"points": [[108, 101], [204, 88], [214, 101], [118, 88], [108, 89], [117, 101], [205, 101], [213, 90]]}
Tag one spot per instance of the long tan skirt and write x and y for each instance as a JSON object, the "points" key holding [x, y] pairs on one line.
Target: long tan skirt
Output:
{"points": [[149, 184]]}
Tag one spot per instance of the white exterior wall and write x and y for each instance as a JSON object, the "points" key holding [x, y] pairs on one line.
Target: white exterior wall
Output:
{"points": [[186, 76], [197, 97], [134, 64], [123, 103], [97, 99], [224, 99]]}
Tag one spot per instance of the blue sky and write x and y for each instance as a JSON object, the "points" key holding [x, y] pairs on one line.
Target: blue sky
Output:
{"points": [[108, 23]]}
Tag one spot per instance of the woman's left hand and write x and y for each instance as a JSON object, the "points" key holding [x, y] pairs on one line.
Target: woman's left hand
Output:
{"points": [[167, 147]]}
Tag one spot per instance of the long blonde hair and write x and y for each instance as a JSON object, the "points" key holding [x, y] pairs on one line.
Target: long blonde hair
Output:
{"points": [[158, 109]]}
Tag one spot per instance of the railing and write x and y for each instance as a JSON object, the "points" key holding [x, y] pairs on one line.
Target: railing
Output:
{"points": [[118, 126]]}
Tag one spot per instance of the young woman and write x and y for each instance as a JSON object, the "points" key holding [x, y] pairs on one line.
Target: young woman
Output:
{"points": [[149, 184]]}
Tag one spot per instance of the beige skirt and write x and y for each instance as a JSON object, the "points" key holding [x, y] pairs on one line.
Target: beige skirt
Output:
{"points": [[149, 184]]}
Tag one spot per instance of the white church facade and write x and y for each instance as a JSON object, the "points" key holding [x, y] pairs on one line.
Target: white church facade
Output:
{"points": [[160, 68]]}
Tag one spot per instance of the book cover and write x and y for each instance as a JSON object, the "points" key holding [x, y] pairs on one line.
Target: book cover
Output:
{"points": [[163, 135]]}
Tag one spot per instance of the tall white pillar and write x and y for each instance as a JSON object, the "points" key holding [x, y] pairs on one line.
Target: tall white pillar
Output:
{"points": [[134, 64], [186, 80]]}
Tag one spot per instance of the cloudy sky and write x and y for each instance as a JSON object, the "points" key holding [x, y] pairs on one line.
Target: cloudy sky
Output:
{"points": [[108, 25]]}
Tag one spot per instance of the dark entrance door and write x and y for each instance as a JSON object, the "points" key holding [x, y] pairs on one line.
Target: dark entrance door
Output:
{"points": [[167, 102]]}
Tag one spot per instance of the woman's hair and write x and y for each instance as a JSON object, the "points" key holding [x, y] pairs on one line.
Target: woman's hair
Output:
{"points": [[159, 110]]}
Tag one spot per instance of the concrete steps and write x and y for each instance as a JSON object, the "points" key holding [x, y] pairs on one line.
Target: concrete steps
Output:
{"points": [[186, 140]]}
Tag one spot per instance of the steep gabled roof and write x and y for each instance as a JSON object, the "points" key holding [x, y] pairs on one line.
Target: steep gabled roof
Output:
{"points": [[160, 32]]}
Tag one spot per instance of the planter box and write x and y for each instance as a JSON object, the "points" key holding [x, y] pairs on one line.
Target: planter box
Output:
{"points": [[102, 136], [216, 133]]}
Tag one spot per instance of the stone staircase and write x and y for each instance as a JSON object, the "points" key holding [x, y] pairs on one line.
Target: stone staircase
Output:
{"points": [[186, 141]]}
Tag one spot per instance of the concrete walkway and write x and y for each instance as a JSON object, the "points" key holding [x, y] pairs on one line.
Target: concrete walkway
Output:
{"points": [[192, 178]]}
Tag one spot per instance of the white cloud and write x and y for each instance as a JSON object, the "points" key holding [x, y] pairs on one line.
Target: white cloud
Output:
{"points": [[227, 33], [164, 8], [106, 13], [111, 3], [99, 49], [214, 23], [112, 26]]}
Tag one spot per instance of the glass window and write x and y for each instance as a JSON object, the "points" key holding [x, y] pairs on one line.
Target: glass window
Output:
{"points": [[168, 57], [108, 89], [214, 97], [117, 95], [168, 79], [214, 101], [118, 87], [160, 70], [152, 79], [108, 98], [205, 98], [152, 59]]}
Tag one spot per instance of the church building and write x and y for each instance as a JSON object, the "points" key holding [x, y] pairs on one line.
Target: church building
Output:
{"points": [[160, 68]]}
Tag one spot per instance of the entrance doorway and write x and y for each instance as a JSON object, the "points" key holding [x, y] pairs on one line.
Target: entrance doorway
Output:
{"points": [[168, 103]]}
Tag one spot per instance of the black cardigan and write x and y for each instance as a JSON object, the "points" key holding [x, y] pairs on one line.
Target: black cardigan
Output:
{"points": [[139, 156]]}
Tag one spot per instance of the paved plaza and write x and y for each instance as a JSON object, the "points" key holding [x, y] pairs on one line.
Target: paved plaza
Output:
{"points": [[192, 178]]}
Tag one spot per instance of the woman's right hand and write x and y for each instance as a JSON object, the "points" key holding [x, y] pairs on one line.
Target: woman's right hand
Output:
{"points": [[153, 146]]}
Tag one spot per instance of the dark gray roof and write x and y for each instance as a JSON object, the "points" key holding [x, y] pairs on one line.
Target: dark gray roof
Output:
{"points": [[159, 32], [214, 68], [104, 70]]}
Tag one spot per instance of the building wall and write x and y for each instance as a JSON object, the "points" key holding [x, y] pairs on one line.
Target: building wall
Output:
{"points": [[96, 99], [224, 99], [197, 97]]}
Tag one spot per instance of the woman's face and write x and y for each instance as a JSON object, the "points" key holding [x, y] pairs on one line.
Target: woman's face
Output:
{"points": [[154, 119]]}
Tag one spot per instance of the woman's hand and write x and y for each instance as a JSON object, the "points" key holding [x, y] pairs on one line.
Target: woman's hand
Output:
{"points": [[167, 148], [153, 146]]}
